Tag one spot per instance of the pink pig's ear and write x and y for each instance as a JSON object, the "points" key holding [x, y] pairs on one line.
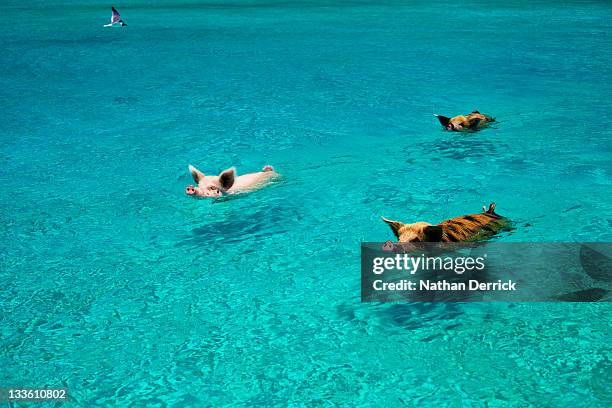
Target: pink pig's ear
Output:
{"points": [[227, 177], [197, 175]]}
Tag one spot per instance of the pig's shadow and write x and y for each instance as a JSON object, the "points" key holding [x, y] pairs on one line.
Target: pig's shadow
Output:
{"points": [[409, 315], [239, 225], [458, 148], [414, 315]]}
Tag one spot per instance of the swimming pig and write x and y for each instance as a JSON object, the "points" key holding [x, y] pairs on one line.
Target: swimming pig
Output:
{"points": [[473, 121], [228, 182], [465, 228]]}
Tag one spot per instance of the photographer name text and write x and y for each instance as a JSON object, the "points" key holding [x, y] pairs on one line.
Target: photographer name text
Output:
{"points": [[443, 285]]}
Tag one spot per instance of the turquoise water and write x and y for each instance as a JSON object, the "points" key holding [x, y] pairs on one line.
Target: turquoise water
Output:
{"points": [[126, 291]]}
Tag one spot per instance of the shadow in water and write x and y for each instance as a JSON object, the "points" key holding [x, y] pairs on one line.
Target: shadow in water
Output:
{"points": [[597, 265], [456, 148], [240, 225], [419, 314]]}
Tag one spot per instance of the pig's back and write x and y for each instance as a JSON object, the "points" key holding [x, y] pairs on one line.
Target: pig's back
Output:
{"points": [[252, 181]]}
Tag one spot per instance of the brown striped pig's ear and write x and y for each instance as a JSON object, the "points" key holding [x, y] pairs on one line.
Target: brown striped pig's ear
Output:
{"points": [[395, 225], [444, 121], [433, 233], [491, 211], [227, 177]]}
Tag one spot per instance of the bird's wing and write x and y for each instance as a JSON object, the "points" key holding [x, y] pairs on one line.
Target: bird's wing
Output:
{"points": [[116, 17]]}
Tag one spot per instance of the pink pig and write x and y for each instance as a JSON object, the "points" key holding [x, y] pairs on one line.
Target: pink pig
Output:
{"points": [[228, 182]]}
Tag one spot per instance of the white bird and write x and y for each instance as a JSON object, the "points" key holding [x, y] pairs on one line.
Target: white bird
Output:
{"points": [[115, 19]]}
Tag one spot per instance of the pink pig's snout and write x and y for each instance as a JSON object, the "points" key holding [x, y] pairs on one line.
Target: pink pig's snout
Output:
{"points": [[190, 190]]}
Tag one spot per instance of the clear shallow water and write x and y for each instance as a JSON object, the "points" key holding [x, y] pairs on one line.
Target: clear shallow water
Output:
{"points": [[118, 286]]}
